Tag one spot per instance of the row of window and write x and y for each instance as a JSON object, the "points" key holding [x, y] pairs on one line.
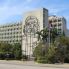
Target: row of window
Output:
{"points": [[12, 41], [10, 36], [56, 20], [13, 25], [10, 33], [10, 29], [54, 25]]}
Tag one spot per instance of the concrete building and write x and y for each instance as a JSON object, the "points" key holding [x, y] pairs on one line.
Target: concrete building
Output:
{"points": [[59, 23], [11, 33], [33, 21], [25, 32]]}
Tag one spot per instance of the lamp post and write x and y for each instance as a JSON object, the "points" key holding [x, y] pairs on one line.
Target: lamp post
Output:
{"points": [[49, 27]]}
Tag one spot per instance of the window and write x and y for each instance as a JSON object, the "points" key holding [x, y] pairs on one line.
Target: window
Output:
{"points": [[55, 20], [50, 21], [59, 24], [59, 20]]}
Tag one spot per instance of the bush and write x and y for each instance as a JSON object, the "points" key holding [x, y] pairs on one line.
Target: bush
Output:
{"points": [[9, 51], [2, 56], [17, 51], [41, 60]]}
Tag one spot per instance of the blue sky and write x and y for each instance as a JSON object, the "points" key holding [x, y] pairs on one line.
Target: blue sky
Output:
{"points": [[13, 10]]}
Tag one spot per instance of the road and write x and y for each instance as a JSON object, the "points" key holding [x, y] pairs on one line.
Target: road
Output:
{"points": [[18, 66]]}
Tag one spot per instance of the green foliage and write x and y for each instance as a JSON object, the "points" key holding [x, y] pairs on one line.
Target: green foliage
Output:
{"points": [[43, 34], [63, 48], [17, 51], [38, 50], [5, 47], [53, 34], [46, 33], [14, 51], [58, 52]]}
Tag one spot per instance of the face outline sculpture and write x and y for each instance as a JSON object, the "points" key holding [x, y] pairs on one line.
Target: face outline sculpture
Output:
{"points": [[31, 25]]}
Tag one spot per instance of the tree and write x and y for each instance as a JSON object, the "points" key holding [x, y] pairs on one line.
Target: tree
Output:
{"points": [[40, 52], [58, 50], [51, 54], [62, 44], [41, 49], [53, 34], [45, 55], [44, 34], [39, 35], [17, 51], [5, 47]]}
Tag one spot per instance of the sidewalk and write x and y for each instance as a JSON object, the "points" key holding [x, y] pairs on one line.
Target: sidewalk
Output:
{"points": [[32, 63]]}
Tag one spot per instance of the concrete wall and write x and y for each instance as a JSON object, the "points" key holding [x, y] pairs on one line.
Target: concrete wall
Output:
{"points": [[29, 42]]}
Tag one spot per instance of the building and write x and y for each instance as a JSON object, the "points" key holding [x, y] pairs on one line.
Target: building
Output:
{"points": [[25, 32], [59, 23], [33, 21], [11, 33]]}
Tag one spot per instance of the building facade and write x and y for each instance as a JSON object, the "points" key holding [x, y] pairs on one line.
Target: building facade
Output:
{"points": [[11, 33], [33, 21], [59, 23], [25, 32]]}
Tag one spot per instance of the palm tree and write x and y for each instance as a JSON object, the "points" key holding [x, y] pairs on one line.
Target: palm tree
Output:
{"points": [[53, 34], [44, 34], [39, 35]]}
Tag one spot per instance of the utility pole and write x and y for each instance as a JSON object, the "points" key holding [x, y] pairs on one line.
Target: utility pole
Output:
{"points": [[49, 34]]}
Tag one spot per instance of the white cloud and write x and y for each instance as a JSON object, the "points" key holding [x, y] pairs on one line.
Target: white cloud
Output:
{"points": [[7, 11]]}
